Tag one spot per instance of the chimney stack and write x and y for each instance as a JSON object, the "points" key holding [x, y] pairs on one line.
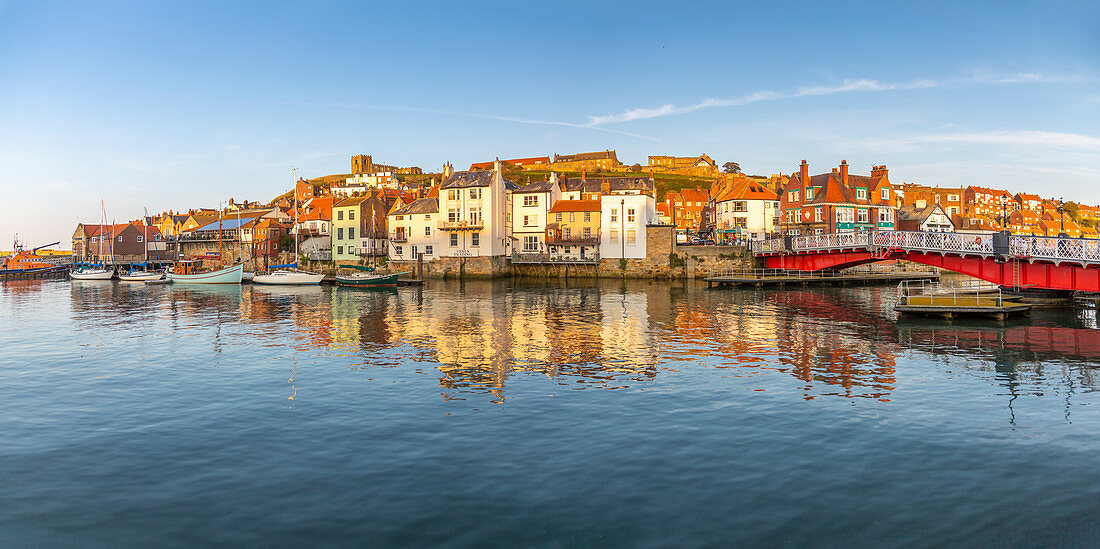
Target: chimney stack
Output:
{"points": [[804, 175], [844, 172]]}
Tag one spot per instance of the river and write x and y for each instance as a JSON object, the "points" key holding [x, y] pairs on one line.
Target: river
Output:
{"points": [[591, 413]]}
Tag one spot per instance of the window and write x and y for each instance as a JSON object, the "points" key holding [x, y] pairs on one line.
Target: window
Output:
{"points": [[475, 239], [952, 198], [740, 206], [140, 238], [427, 217], [810, 193], [863, 216], [614, 215], [351, 233], [557, 217], [631, 237], [817, 214], [414, 251], [397, 250], [454, 240], [886, 193], [400, 218], [351, 215], [568, 232], [792, 196], [427, 231], [120, 238], [952, 210], [339, 233], [427, 250], [340, 250], [630, 215], [475, 194], [937, 197], [452, 215], [587, 232], [530, 200], [885, 215], [572, 217], [528, 220], [475, 214], [351, 250], [614, 236], [530, 243], [452, 194], [340, 215], [861, 194], [587, 217]]}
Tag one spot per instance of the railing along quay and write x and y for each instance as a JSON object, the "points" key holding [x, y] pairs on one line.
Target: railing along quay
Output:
{"points": [[1084, 251]]}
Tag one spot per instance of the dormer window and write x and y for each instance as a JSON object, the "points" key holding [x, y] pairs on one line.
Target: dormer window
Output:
{"points": [[885, 193], [810, 193], [861, 194]]}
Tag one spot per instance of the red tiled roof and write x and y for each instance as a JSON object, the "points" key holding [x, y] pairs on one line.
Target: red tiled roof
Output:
{"points": [[576, 206]]}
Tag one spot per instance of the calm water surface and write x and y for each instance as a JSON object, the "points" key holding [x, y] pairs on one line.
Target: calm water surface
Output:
{"points": [[509, 414]]}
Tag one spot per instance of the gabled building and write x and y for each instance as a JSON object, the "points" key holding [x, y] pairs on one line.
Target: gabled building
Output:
{"points": [[573, 232], [1024, 222], [414, 230], [531, 205], [745, 209], [1026, 201], [266, 237], [347, 224], [474, 207], [974, 223], [988, 202], [930, 219], [584, 188], [838, 201]]}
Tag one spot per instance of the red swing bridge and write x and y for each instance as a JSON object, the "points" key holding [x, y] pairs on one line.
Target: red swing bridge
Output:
{"points": [[1024, 262]]}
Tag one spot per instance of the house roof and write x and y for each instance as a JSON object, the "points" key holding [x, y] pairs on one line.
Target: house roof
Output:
{"points": [[544, 186], [912, 213], [746, 191], [350, 201], [421, 206], [227, 223], [462, 180], [599, 155], [575, 206], [831, 189]]}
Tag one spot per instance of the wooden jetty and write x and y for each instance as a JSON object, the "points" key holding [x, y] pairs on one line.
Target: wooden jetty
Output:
{"points": [[782, 277], [928, 298]]}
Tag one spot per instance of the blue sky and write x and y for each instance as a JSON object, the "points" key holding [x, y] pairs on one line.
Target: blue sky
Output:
{"points": [[176, 105]]}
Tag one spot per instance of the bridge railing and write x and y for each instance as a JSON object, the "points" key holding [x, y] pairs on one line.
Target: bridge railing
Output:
{"points": [[1057, 249], [1034, 247], [935, 242]]}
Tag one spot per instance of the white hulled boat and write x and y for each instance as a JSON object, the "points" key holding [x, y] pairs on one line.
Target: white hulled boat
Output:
{"points": [[283, 276], [140, 276], [97, 272], [228, 275], [92, 274]]}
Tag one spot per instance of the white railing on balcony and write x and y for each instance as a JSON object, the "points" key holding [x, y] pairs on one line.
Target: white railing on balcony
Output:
{"points": [[461, 225], [1085, 250]]}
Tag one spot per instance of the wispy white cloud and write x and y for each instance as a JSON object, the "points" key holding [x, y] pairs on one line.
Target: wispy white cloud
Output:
{"points": [[847, 86]]}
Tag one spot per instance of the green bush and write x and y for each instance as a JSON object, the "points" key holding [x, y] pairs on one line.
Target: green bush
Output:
{"points": [[675, 261]]}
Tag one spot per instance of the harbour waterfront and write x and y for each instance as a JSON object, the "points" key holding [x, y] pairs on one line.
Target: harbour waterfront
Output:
{"points": [[519, 413]]}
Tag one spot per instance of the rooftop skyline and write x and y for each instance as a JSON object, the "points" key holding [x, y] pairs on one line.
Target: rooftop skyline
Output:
{"points": [[182, 106]]}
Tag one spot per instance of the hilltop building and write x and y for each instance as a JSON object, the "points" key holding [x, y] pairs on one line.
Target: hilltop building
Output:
{"points": [[701, 165], [590, 161], [837, 201]]}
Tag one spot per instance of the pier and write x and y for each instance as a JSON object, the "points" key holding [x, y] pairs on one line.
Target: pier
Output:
{"points": [[781, 277]]}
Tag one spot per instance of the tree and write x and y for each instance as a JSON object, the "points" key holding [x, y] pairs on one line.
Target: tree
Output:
{"points": [[1073, 211], [731, 167]]}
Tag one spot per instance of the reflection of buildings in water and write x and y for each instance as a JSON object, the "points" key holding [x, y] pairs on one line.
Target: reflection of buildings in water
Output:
{"points": [[835, 340], [362, 318], [307, 308], [481, 335]]}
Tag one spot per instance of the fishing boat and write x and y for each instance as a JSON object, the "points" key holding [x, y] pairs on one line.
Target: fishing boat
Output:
{"points": [[367, 278], [188, 272]]}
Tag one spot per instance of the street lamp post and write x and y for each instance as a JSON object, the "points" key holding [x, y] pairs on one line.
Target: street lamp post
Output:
{"points": [[1061, 220]]}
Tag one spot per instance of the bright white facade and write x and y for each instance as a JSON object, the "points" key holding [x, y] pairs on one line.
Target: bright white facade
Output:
{"points": [[623, 220], [475, 215], [413, 230], [530, 210], [363, 182], [755, 217]]}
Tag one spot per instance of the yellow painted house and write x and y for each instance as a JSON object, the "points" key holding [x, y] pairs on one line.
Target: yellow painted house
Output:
{"points": [[573, 230]]}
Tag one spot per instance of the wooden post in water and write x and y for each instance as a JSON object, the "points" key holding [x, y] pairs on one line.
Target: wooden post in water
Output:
{"points": [[420, 265]]}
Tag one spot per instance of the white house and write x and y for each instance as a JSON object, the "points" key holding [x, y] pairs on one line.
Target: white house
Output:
{"points": [[363, 182], [623, 221], [930, 218], [747, 209], [413, 230], [530, 209], [581, 188], [475, 217]]}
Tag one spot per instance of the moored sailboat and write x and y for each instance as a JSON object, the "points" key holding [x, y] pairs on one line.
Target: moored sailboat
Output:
{"points": [[367, 278], [289, 274], [97, 271]]}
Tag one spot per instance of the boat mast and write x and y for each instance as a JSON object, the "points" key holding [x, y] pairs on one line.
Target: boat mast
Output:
{"points": [[220, 262]]}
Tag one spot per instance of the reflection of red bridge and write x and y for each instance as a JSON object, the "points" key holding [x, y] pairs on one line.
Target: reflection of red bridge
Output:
{"points": [[1017, 261]]}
